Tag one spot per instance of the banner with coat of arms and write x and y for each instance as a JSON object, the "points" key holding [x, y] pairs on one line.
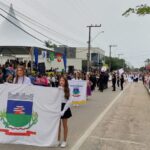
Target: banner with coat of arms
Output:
{"points": [[29, 115], [78, 91]]}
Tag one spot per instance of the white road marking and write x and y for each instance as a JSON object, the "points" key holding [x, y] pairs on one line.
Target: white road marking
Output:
{"points": [[87, 133], [118, 141]]}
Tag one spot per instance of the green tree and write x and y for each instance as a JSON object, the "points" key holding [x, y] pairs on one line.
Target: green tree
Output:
{"points": [[49, 44], [139, 10], [116, 63], [142, 69]]}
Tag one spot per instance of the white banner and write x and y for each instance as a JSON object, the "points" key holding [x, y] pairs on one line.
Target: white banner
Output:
{"points": [[29, 114], [78, 91], [44, 55], [121, 71]]}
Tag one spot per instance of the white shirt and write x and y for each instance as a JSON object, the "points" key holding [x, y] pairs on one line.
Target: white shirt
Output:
{"points": [[26, 80], [53, 79], [67, 102], [76, 79]]}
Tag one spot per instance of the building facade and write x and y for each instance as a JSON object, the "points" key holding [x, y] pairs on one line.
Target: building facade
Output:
{"points": [[76, 58]]}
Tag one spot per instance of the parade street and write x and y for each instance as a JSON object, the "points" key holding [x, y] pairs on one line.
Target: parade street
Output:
{"points": [[109, 121]]}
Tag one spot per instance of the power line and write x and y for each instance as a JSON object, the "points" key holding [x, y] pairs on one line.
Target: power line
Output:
{"points": [[30, 27], [46, 28], [22, 29]]}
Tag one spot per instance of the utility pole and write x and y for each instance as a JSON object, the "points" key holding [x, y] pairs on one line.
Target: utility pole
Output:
{"points": [[89, 45], [110, 46]]}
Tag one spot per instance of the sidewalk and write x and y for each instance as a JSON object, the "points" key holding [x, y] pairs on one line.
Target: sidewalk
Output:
{"points": [[126, 126]]}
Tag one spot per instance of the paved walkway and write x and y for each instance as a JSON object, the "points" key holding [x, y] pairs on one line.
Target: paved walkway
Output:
{"points": [[126, 126]]}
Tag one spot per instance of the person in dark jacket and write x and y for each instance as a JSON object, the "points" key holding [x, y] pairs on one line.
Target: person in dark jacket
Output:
{"points": [[121, 81], [101, 82], [114, 81], [94, 81], [106, 79]]}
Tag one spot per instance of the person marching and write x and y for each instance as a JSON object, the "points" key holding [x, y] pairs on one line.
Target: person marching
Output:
{"points": [[114, 82], [65, 110], [89, 84], [101, 82], [21, 78], [121, 81], [118, 80]]}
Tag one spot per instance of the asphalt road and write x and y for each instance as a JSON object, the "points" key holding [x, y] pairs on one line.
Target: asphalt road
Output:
{"points": [[126, 126]]}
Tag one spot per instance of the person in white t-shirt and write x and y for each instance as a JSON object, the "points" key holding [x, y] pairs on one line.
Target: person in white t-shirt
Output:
{"points": [[20, 76]]}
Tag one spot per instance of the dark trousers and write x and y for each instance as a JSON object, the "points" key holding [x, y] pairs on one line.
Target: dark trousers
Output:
{"points": [[53, 84], [101, 87], [118, 83], [121, 85], [114, 87]]}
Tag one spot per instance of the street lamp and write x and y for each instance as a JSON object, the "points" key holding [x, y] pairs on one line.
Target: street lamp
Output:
{"points": [[93, 40], [89, 45], [97, 36], [110, 46]]}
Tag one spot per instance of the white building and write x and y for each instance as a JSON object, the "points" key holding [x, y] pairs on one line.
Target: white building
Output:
{"points": [[77, 58]]}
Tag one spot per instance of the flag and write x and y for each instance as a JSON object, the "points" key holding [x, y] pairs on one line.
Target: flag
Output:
{"points": [[121, 71], [51, 56], [65, 61], [44, 55], [36, 56], [59, 57], [78, 90], [29, 115]]}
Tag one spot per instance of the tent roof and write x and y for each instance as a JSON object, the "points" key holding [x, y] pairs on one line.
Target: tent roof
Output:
{"points": [[12, 34]]}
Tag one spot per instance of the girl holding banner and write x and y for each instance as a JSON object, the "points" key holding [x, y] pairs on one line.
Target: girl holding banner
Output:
{"points": [[20, 76], [65, 110]]}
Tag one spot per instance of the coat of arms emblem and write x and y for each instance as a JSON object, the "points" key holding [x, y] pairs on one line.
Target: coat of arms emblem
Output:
{"points": [[76, 92], [19, 116]]}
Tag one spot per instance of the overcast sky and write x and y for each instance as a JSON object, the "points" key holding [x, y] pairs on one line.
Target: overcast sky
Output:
{"points": [[67, 20]]}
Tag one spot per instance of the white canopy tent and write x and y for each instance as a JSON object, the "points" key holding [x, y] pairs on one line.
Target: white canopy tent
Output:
{"points": [[13, 35]]}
